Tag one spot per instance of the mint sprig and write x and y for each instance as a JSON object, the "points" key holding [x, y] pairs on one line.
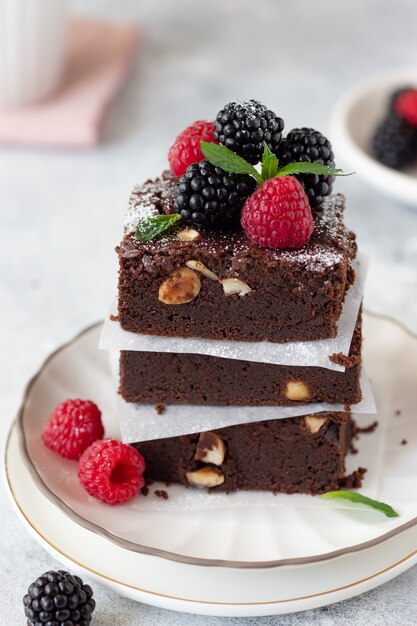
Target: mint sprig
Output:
{"points": [[154, 227], [229, 161], [304, 167], [269, 163], [358, 498]]}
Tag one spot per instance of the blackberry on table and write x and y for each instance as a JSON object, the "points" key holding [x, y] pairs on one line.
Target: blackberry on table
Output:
{"points": [[209, 196], [394, 143], [307, 144], [244, 127], [59, 599]]}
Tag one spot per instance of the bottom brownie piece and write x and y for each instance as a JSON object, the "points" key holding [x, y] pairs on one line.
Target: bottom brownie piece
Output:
{"points": [[294, 455]]}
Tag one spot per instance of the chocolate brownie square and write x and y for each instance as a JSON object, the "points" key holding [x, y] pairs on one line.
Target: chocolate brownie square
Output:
{"points": [[171, 378], [294, 455], [220, 285]]}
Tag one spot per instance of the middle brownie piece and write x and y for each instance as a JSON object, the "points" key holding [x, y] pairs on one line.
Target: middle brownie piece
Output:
{"points": [[171, 378]]}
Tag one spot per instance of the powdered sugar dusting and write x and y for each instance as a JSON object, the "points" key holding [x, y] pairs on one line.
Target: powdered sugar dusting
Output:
{"points": [[330, 244], [141, 207]]}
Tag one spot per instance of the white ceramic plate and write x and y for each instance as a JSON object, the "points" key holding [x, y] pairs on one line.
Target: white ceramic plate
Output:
{"points": [[353, 122], [197, 588], [267, 561], [265, 536]]}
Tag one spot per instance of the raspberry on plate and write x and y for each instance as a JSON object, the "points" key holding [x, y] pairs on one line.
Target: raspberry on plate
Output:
{"points": [[111, 471], [72, 427], [186, 148], [278, 214]]}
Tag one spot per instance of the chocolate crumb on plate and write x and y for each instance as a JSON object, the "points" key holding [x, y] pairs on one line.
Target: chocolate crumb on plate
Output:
{"points": [[367, 429], [160, 409], [161, 493]]}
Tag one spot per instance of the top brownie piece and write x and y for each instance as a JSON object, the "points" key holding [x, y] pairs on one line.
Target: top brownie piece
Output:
{"points": [[295, 294]]}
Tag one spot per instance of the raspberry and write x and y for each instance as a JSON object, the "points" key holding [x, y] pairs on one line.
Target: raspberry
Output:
{"points": [[186, 147], [111, 471], [244, 127], [209, 196], [307, 144], [72, 427], [278, 214], [405, 106]]}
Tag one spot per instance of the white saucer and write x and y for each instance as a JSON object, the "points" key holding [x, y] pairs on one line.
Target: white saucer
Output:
{"points": [[353, 123], [164, 558]]}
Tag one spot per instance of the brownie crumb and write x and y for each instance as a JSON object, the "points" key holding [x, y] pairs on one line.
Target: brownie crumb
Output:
{"points": [[145, 490], [114, 318], [398, 412], [344, 360], [160, 409], [161, 493], [354, 480], [404, 442], [367, 429]]}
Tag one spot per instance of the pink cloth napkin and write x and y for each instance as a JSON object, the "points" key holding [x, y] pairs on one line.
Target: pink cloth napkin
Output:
{"points": [[98, 58]]}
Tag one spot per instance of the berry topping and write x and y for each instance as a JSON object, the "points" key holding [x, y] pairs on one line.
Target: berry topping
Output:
{"points": [[72, 427], [394, 143], [186, 148], [278, 214], [209, 196], [308, 145], [244, 127], [405, 106], [59, 599], [111, 471]]}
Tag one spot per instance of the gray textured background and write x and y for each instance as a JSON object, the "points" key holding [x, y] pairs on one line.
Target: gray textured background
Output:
{"points": [[61, 213]]}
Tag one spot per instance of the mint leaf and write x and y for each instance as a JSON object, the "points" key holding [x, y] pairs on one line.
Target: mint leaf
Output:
{"points": [[267, 151], [222, 157], [269, 167], [153, 227], [303, 167], [353, 496]]}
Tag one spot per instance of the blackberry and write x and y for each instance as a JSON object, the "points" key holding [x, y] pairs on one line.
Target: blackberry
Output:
{"points": [[59, 599], [307, 144], [244, 127], [394, 143], [209, 196]]}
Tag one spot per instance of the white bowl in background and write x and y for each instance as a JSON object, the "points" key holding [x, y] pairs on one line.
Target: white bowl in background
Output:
{"points": [[353, 122]]}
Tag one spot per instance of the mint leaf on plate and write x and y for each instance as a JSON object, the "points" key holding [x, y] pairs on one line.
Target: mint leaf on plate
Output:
{"points": [[358, 498], [153, 227], [304, 167], [227, 160]]}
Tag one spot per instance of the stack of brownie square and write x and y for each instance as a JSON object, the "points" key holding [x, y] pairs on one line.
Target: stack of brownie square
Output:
{"points": [[220, 286]]}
